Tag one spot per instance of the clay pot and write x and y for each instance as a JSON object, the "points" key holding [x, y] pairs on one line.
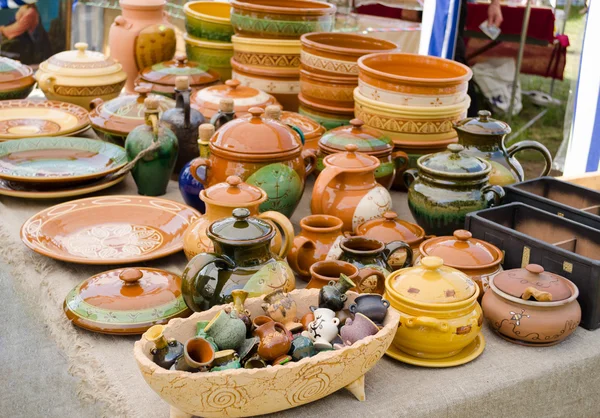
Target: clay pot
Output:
{"points": [[307, 319], [327, 90], [227, 330], [208, 20], [16, 79], [311, 129], [324, 329], [333, 295], [323, 273], [358, 328], [328, 116], [280, 56], [275, 340], [373, 306], [215, 56], [318, 234], [239, 297], [198, 356], [282, 308], [165, 352], [302, 347], [225, 360]]}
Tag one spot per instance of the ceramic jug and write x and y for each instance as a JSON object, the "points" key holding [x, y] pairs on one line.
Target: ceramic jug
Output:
{"points": [[324, 273], [155, 147], [358, 328], [224, 115], [198, 356], [275, 340], [141, 37], [189, 187], [347, 189], [165, 352], [220, 200], [184, 122], [239, 297], [484, 137], [242, 258], [282, 308], [323, 329], [333, 296], [373, 306]]}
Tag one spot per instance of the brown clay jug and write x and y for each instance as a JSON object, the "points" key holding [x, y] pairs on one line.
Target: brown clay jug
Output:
{"points": [[275, 340]]}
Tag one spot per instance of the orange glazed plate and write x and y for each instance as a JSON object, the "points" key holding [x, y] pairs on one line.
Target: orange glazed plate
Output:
{"points": [[109, 229]]}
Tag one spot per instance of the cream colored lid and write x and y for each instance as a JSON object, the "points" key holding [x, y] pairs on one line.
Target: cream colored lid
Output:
{"points": [[81, 62]]}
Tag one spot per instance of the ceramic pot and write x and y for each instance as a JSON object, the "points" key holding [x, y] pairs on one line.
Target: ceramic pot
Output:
{"points": [[347, 188], [255, 363], [282, 308], [328, 116], [16, 79], [318, 234], [323, 329], [141, 37], [275, 340], [242, 259], [369, 141], [200, 332], [215, 56], [263, 152], [220, 200], [358, 328], [227, 330], [198, 355], [165, 352], [323, 273], [272, 19], [80, 76], [239, 297], [532, 307], [302, 347], [327, 90], [230, 361], [484, 137], [412, 80], [312, 130], [277, 55], [333, 295], [224, 115], [439, 313], [446, 187], [208, 20], [373, 306], [189, 187], [152, 172]]}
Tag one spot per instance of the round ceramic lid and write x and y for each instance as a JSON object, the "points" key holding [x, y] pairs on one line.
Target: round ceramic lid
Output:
{"points": [[11, 70], [367, 140], [391, 228], [166, 72], [241, 229], [462, 250], [516, 281], [483, 124], [81, 62], [126, 301], [453, 161], [244, 97], [432, 282], [233, 191], [351, 159], [309, 127]]}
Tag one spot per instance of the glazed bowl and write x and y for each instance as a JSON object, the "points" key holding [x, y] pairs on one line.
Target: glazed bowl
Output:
{"points": [[212, 55], [327, 90], [328, 116], [336, 53], [413, 80], [250, 392], [208, 20], [271, 54], [16, 79], [281, 20]]}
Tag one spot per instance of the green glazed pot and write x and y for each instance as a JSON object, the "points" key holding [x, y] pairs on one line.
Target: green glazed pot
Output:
{"points": [[327, 120], [208, 20], [226, 330], [213, 55]]}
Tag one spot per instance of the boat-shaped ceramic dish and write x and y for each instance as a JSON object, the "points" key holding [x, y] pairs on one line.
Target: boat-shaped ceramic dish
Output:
{"points": [[250, 392]]}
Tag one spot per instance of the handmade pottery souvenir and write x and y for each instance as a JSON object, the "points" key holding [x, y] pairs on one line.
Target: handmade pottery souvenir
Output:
{"points": [[302, 347], [343, 315], [323, 329], [311, 130], [220, 200], [279, 56], [226, 359], [318, 234], [125, 301], [155, 146], [212, 55], [165, 352], [446, 187], [248, 348], [275, 340], [255, 363], [198, 356], [373, 306], [239, 297], [530, 306], [358, 328], [329, 117], [29, 191], [227, 330], [16, 79], [109, 229], [274, 112], [307, 319], [189, 187], [483, 137], [282, 308], [224, 115], [79, 76], [233, 364], [439, 313], [208, 20], [242, 259], [327, 90], [141, 37], [333, 295], [327, 271], [347, 188], [273, 19]]}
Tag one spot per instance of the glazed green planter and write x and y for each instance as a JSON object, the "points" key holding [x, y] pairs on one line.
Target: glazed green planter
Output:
{"points": [[249, 24], [212, 55], [208, 20]]}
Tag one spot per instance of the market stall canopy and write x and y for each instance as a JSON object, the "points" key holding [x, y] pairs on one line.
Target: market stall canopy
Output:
{"points": [[15, 4]]}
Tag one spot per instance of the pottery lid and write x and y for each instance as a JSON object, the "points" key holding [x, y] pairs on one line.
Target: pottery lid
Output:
{"points": [[244, 97], [309, 127], [11, 70], [240, 229], [81, 62], [433, 282], [391, 228], [352, 160], [126, 300], [453, 161], [515, 282], [483, 124], [462, 250], [234, 191], [368, 140], [166, 73]]}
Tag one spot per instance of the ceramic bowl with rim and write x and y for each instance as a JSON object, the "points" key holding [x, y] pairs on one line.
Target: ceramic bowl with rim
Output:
{"points": [[212, 55], [329, 117], [281, 20], [16, 79], [273, 54], [327, 90], [336, 53], [208, 20], [413, 80]]}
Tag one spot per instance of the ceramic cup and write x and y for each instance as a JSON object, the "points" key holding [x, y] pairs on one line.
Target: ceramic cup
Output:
{"points": [[373, 306], [198, 356], [323, 329], [358, 328], [227, 330]]}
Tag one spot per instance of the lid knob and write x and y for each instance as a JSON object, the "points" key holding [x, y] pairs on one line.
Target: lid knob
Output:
{"points": [[351, 147], [534, 268], [455, 148], [143, 89], [233, 181], [273, 112], [484, 115], [182, 82], [180, 59], [151, 104], [240, 214], [232, 83], [462, 235], [130, 276], [81, 47], [256, 112], [356, 123], [390, 216], [206, 131], [226, 105], [432, 262]]}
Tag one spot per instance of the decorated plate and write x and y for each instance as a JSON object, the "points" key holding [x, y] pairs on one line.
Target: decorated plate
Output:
{"points": [[109, 229], [26, 191], [36, 118], [59, 159]]}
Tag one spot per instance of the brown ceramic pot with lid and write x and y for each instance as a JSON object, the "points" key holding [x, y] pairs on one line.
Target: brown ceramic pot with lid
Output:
{"points": [[312, 130], [16, 79], [530, 306], [263, 152]]}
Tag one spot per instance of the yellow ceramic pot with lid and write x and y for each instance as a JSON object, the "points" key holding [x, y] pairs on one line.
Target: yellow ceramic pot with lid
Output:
{"points": [[439, 313], [80, 76]]}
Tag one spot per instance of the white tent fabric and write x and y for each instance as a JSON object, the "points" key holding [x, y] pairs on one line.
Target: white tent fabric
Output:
{"points": [[15, 4], [438, 27]]}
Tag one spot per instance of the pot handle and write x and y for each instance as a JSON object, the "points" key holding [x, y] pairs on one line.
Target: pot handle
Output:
{"points": [[537, 294], [278, 326], [409, 176], [299, 132], [425, 321], [493, 195], [310, 161], [193, 283], [366, 272], [400, 155], [352, 308], [96, 103], [286, 228], [536, 146], [48, 82], [121, 21], [183, 101], [323, 180], [301, 244], [195, 165], [394, 246]]}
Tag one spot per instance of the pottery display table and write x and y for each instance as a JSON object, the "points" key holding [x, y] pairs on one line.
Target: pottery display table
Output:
{"points": [[506, 380]]}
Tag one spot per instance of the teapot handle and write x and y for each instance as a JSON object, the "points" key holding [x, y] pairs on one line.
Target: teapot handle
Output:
{"points": [[192, 282], [536, 146], [409, 176], [323, 180], [195, 165], [400, 155], [300, 245], [493, 195], [394, 246], [286, 227], [310, 161], [182, 101], [366, 272]]}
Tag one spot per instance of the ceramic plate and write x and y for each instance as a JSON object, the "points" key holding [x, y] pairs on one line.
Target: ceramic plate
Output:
{"points": [[109, 229], [467, 354], [8, 188], [59, 159], [36, 118]]}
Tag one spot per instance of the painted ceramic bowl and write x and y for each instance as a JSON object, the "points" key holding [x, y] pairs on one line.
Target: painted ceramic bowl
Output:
{"points": [[327, 90], [250, 392], [413, 80], [274, 19], [212, 55], [208, 20], [336, 53], [328, 116], [16, 79], [311, 129], [273, 54]]}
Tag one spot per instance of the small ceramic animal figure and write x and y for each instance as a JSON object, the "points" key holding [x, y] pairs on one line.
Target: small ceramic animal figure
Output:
{"points": [[323, 329]]}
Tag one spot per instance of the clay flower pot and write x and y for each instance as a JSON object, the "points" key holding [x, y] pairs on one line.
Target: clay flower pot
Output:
{"points": [[208, 20], [215, 56]]}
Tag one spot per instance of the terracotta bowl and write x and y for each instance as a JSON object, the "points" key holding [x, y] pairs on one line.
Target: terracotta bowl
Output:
{"points": [[337, 53], [213, 55], [208, 20], [250, 392], [274, 54], [413, 80], [329, 117], [281, 20], [327, 90]]}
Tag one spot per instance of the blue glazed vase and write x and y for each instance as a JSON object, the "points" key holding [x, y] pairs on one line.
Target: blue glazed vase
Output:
{"points": [[189, 187]]}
